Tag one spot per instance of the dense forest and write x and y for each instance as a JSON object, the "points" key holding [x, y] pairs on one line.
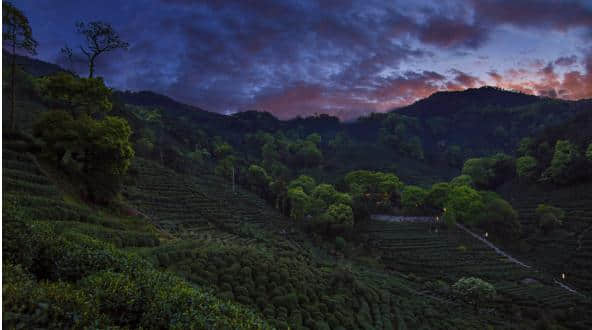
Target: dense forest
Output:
{"points": [[132, 210]]}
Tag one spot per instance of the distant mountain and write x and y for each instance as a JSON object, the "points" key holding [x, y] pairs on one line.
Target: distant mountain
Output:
{"points": [[446, 103], [429, 137], [32, 66]]}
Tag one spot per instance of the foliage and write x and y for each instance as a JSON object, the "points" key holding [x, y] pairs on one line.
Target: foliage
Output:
{"points": [[474, 290], [465, 202], [437, 195], [373, 190], [413, 199], [564, 158], [257, 177], [526, 168], [56, 277], [489, 172], [340, 216], [305, 182], [16, 31], [462, 180], [589, 152], [16, 35], [299, 202], [499, 217], [550, 217], [79, 96], [98, 149], [100, 38]]}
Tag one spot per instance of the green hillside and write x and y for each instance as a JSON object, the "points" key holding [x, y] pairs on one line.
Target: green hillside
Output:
{"points": [[132, 210]]}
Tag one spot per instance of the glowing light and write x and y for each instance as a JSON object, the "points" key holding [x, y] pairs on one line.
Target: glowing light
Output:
{"points": [[486, 234], [563, 276]]}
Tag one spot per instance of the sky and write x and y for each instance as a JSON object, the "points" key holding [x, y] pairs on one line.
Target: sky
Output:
{"points": [[339, 57]]}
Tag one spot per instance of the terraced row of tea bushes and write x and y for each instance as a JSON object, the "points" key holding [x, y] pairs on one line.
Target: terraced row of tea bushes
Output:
{"points": [[204, 208], [567, 248], [63, 273], [287, 288], [438, 258]]}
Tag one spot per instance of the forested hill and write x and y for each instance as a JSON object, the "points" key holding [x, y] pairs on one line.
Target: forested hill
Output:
{"points": [[423, 142]]}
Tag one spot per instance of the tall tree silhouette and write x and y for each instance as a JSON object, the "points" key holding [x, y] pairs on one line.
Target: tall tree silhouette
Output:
{"points": [[100, 38], [16, 34]]}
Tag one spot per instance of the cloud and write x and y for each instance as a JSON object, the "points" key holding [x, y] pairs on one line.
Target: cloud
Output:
{"points": [[546, 81], [557, 15], [444, 32], [566, 60], [303, 57]]}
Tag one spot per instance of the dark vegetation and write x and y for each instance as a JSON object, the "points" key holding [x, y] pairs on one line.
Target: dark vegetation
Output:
{"points": [[131, 210]]}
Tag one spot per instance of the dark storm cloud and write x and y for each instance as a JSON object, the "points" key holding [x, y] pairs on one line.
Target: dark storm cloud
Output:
{"points": [[566, 60], [302, 57], [560, 15]]}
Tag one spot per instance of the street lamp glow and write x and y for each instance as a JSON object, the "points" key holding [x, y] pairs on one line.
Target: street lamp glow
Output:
{"points": [[563, 276], [486, 234]]}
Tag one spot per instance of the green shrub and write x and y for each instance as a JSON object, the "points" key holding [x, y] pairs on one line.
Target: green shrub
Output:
{"points": [[550, 217], [27, 304]]}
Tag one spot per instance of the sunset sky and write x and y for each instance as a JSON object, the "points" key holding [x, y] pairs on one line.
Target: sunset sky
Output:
{"points": [[344, 58]]}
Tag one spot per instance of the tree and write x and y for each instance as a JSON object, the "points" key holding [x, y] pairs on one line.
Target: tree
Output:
{"points": [[98, 150], [373, 190], [525, 147], [58, 130], [489, 172], [77, 95], [436, 196], [100, 38], [550, 217], [306, 182], [413, 199], [480, 170], [258, 178], [340, 216], [474, 290], [465, 202], [16, 35], [298, 202], [564, 157], [499, 217], [589, 152], [526, 168]]}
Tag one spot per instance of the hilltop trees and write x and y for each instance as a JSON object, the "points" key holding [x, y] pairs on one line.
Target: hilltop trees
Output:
{"points": [[465, 202], [526, 168], [373, 191], [79, 96], [413, 199], [16, 35], [100, 38], [489, 172], [564, 158]]}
